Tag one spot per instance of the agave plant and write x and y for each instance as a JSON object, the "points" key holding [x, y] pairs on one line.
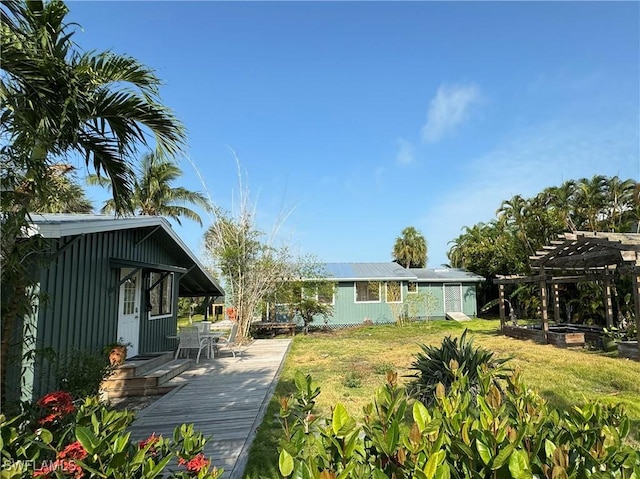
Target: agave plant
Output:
{"points": [[441, 364]]}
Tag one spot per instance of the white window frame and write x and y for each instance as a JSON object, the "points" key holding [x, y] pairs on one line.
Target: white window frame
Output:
{"points": [[316, 296], [386, 292], [172, 278], [415, 283], [355, 292]]}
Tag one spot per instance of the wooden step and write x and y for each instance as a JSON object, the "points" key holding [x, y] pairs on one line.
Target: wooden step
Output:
{"points": [[138, 367], [152, 382]]}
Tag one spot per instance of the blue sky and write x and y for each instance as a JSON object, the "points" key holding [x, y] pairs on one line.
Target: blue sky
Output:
{"points": [[357, 119]]}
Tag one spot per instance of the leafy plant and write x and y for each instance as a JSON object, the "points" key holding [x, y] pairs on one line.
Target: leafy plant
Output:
{"points": [[439, 365], [57, 438], [81, 372], [352, 379], [509, 433]]}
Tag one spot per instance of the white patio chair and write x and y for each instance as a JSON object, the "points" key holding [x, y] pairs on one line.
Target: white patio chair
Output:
{"points": [[189, 338], [230, 341]]}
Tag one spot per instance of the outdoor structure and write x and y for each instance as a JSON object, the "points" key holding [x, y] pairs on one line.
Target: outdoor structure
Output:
{"points": [[106, 279], [378, 291], [577, 257]]}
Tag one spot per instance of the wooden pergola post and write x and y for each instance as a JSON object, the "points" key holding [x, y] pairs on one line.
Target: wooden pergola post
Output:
{"points": [[608, 305], [501, 304], [636, 304], [543, 308], [556, 302]]}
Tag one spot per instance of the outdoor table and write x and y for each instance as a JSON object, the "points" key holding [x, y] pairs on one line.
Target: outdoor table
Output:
{"points": [[212, 337]]}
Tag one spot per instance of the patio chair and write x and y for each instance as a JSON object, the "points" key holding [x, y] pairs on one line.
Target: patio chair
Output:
{"points": [[230, 341], [189, 338]]}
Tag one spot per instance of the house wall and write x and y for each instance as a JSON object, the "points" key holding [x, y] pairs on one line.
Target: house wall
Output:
{"points": [[80, 308], [430, 304]]}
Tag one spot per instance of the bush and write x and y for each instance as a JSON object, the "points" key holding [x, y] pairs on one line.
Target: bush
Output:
{"points": [[506, 433], [56, 438], [439, 364], [81, 372]]}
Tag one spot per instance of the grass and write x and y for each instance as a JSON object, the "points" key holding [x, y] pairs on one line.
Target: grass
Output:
{"points": [[349, 366]]}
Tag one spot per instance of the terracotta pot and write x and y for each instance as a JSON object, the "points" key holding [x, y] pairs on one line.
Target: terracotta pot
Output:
{"points": [[117, 355]]}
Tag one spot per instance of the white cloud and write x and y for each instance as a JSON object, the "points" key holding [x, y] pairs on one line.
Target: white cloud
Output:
{"points": [[449, 108], [531, 160], [405, 152]]}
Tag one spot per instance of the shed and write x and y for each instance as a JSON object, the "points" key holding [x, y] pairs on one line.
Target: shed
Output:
{"points": [[104, 279]]}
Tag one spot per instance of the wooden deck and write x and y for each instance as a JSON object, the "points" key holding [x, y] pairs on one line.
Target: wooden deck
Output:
{"points": [[223, 397]]}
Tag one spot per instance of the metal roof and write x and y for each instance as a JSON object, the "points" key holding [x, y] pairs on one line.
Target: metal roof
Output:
{"points": [[446, 275], [394, 272], [196, 282]]}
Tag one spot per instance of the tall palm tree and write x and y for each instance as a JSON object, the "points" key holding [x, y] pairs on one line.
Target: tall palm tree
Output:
{"points": [[56, 101], [410, 249], [153, 194]]}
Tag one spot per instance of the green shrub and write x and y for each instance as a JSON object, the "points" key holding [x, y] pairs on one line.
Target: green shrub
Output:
{"points": [[56, 438], [505, 433], [439, 364], [81, 372]]}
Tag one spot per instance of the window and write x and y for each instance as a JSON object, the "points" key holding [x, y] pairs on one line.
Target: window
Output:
{"points": [[367, 291], [160, 294], [412, 287], [323, 292], [394, 292]]}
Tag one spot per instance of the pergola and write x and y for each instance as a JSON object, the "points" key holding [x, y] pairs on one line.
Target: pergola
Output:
{"points": [[576, 257]]}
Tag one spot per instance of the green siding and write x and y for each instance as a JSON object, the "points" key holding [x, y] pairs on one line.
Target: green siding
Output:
{"points": [[80, 308], [348, 312]]}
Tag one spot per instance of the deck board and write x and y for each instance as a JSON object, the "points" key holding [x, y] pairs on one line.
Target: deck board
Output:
{"points": [[225, 398]]}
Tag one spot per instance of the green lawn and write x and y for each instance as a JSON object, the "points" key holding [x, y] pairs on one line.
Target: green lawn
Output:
{"points": [[349, 366]]}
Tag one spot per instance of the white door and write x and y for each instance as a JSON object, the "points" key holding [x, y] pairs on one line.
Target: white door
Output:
{"points": [[129, 311], [452, 298]]}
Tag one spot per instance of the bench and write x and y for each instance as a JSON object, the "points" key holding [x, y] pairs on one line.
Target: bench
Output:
{"points": [[271, 329]]}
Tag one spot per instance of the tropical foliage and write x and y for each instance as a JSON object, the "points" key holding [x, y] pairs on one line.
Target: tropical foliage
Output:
{"points": [[64, 193], [56, 437], [437, 366], [507, 432], [153, 193], [524, 225], [57, 102], [410, 249]]}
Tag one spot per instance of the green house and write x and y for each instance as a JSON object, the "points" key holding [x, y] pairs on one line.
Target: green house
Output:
{"points": [[378, 292], [104, 279]]}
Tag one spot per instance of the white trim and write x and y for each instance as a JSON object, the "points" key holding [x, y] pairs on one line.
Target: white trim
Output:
{"points": [[386, 292], [355, 292]]}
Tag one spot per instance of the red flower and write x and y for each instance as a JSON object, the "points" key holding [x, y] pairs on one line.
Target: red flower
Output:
{"points": [[151, 440], [64, 465], [58, 404], [195, 464], [73, 451]]}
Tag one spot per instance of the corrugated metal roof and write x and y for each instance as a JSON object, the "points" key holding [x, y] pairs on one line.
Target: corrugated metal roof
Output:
{"points": [[196, 282], [446, 275], [394, 272]]}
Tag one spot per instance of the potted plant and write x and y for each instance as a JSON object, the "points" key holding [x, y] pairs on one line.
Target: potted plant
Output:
{"points": [[116, 352], [625, 337]]}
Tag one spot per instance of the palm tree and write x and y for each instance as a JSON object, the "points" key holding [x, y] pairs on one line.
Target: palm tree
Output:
{"points": [[56, 102], [410, 249], [65, 194], [153, 194]]}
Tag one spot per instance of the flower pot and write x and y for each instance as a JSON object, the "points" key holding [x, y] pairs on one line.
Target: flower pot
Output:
{"points": [[609, 344], [628, 349], [117, 355]]}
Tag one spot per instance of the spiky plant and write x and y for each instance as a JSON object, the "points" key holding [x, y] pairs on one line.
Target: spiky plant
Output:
{"points": [[438, 365]]}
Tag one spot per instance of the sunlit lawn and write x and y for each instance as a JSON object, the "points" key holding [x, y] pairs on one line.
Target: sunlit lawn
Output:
{"points": [[349, 365]]}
